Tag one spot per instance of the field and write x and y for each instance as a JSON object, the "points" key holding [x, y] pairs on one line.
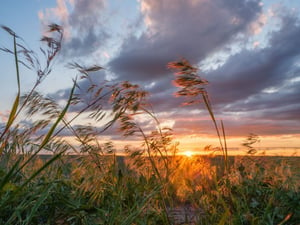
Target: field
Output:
{"points": [[93, 189], [151, 183]]}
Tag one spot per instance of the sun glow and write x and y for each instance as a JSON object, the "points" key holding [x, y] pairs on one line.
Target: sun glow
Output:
{"points": [[188, 153]]}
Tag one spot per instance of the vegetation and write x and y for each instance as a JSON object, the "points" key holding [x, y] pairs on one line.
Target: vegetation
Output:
{"points": [[149, 185]]}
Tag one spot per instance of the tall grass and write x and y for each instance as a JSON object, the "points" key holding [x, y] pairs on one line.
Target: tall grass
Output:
{"points": [[150, 184], [192, 86]]}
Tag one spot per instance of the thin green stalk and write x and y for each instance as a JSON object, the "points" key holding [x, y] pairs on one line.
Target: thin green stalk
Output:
{"points": [[12, 115], [11, 173], [225, 146], [224, 149], [36, 173], [150, 156], [157, 173], [35, 207], [160, 132], [68, 123], [17, 65], [209, 108], [191, 86], [49, 136], [139, 209]]}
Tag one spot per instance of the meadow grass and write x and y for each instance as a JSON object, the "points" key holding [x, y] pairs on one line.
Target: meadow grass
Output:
{"points": [[149, 185]]}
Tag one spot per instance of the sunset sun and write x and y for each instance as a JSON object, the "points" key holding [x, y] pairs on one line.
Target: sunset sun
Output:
{"points": [[188, 153]]}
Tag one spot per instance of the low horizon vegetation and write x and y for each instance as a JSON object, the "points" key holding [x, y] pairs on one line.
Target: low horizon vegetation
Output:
{"points": [[97, 187]]}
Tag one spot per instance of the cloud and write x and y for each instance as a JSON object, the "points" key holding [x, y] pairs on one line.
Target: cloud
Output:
{"points": [[192, 29], [85, 91], [4, 115], [237, 87], [83, 24], [246, 76], [254, 89]]}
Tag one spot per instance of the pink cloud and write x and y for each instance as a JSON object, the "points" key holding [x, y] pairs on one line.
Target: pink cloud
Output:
{"points": [[4, 116], [59, 14]]}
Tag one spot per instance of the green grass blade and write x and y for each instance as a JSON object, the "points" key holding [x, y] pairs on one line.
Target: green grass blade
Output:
{"points": [[61, 116], [137, 210], [17, 100], [36, 173], [13, 112], [225, 146], [10, 121], [209, 108], [225, 217], [36, 206], [50, 132], [17, 65], [10, 174]]}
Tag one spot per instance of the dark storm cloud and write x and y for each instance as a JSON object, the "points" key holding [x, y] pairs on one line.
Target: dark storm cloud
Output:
{"points": [[192, 29]]}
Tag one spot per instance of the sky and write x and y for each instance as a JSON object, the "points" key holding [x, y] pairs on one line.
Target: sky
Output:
{"points": [[248, 51]]}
